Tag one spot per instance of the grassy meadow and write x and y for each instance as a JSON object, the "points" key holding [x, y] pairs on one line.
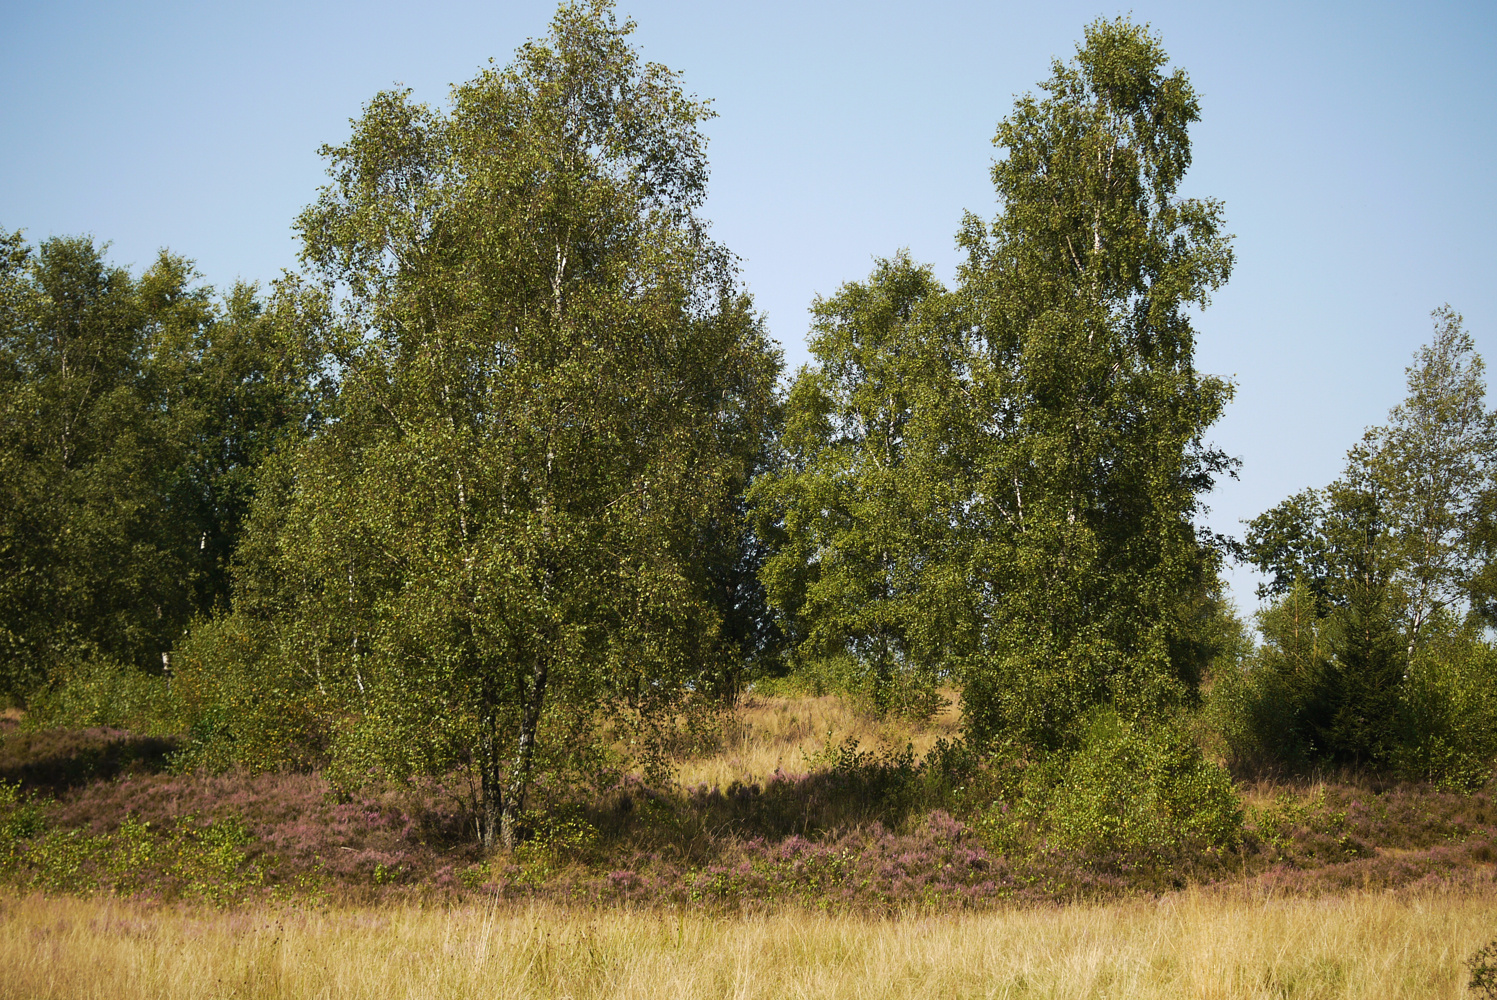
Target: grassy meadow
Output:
{"points": [[799, 850], [1371, 946]]}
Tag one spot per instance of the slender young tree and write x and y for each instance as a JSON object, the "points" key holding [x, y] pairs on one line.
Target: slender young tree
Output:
{"points": [[1094, 461], [1430, 466], [1409, 511], [558, 385]]}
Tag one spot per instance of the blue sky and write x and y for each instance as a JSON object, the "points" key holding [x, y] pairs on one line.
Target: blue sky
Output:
{"points": [[1351, 143]]}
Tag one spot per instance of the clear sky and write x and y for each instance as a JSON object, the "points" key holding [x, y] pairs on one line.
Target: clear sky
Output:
{"points": [[1353, 145]]}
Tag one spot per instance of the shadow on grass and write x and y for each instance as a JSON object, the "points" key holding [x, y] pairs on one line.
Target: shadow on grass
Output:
{"points": [[56, 760]]}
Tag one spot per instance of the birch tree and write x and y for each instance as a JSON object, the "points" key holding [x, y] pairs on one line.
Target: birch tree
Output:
{"points": [[558, 384], [1091, 568], [870, 495], [1430, 467]]}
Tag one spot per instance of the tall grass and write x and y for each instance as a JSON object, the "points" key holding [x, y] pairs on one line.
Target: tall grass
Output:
{"points": [[769, 733], [1378, 947]]}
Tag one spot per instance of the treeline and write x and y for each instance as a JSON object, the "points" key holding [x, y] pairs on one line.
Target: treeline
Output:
{"points": [[136, 414], [504, 481], [1380, 586]]}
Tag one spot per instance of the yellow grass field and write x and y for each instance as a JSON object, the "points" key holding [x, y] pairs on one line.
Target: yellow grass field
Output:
{"points": [[1374, 947]]}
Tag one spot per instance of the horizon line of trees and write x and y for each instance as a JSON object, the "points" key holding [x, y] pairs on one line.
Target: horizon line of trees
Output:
{"points": [[505, 476]]}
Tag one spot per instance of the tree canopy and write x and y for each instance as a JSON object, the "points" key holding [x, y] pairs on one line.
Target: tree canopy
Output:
{"points": [[557, 383], [1093, 462]]}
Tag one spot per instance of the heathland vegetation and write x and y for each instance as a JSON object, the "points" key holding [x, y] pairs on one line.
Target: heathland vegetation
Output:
{"points": [[489, 558]]}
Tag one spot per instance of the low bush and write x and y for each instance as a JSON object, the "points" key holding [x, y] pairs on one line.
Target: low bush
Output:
{"points": [[1483, 966], [1128, 796], [1132, 787], [104, 693], [239, 706], [1448, 724]]}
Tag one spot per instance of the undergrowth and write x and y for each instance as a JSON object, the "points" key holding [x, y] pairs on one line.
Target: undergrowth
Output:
{"points": [[850, 825]]}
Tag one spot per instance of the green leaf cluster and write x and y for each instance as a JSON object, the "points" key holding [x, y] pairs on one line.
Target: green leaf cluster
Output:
{"points": [[553, 399], [133, 414]]}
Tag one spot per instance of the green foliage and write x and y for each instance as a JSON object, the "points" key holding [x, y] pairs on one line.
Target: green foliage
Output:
{"points": [[133, 413], [1334, 656], [559, 839], [90, 558], [1092, 459], [1129, 788], [1263, 705], [1321, 690], [1483, 966], [200, 861], [1448, 716], [870, 491], [1126, 789], [1362, 685], [242, 704], [21, 819], [100, 692], [556, 396], [1430, 468], [1365, 662]]}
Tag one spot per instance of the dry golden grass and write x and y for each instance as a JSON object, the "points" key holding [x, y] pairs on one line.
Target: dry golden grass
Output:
{"points": [[768, 733], [1359, 946]]}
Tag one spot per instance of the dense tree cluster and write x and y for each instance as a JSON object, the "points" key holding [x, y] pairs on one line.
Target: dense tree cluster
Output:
{"points": [[135, 415], [1000, 482], [1378, 584], [507, 467]]}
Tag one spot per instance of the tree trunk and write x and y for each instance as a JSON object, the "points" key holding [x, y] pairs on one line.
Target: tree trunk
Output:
{"points": [[530, 717], [491, 786]]}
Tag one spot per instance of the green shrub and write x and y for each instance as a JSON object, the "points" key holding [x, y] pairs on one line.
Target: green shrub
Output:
{"points": [[1448, 729], [1267, 706], [1127, 788], [208, 862], [240, 705], [101, 692], [20, 820], [1132, 787], [1257, 717], [1483, 966]]}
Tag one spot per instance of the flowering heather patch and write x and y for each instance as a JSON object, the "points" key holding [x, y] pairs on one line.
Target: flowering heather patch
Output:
{"points": [[859, 832], [296, 826], [1370, 834]]}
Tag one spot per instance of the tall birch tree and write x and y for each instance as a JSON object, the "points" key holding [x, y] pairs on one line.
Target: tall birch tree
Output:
{"points": [[559, 382], [1091, 568]]}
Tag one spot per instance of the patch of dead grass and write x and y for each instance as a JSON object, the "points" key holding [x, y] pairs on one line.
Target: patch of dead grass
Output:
{"points": [[1356, 946], [766, 734]]}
